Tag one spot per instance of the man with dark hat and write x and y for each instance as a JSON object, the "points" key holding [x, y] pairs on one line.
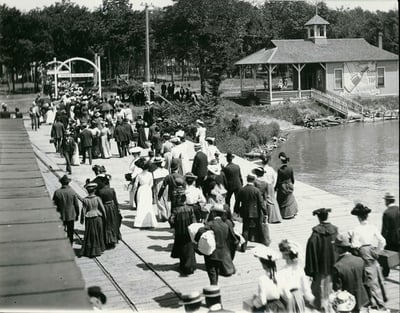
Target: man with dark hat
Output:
{"points": [[390, 228], [97, 297], [348, 272], [66, 201], [251, 207], [320, 258], [233, 177], [68, 148], [86, 137], [199, 166], [194, 196], [57, 133]]}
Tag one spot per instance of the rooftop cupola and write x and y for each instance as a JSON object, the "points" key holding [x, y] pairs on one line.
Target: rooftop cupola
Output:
{"points": [[316, 29]]}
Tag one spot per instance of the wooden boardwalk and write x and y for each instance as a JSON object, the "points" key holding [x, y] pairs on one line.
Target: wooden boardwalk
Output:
{"points": [[149, 276], [37, 267]]}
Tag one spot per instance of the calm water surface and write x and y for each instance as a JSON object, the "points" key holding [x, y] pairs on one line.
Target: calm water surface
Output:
{"points": [[358, 161]]}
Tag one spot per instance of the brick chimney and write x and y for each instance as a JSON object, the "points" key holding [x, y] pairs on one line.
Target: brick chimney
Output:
{"points": [[380, 35]]}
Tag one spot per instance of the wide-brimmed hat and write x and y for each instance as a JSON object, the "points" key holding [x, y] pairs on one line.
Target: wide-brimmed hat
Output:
{"points": [[158, 160], [211, 291], [65, 180], [214, 167], [266, 253], [190, 175], [283, 157], [360, 209], [96, 292], [200, 122], [91, 186], [342, 240], [166, 135], [210, 139], [180, 133], [389, 196], [321, 211], [251, 178], [342, 301], [175, 140], [134, 150], [191, 298]]}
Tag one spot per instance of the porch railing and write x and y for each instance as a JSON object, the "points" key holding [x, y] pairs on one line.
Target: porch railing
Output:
{"points": [[352, 104], [330, 101]]}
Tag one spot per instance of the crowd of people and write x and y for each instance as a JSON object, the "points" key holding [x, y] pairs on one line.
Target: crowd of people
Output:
{"points": [[172, 180]]}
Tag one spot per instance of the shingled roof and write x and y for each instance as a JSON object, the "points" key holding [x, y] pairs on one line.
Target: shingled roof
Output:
{"points": [[306, 51], [316, 20]]}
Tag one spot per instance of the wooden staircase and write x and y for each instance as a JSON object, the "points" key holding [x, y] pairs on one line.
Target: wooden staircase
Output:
{"points": [[345, 107]]}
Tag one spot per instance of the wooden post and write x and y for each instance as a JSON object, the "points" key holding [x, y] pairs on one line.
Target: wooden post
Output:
{"points": [[299, 80], [255, 78], [99, 66], [55, 78], [270, 82], [241, 78]]}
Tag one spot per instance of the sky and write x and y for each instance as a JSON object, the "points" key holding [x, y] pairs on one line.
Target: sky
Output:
{"points": [[372, 5]]}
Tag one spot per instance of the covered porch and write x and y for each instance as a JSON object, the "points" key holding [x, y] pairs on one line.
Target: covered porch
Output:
{"points": [[273, 83]]}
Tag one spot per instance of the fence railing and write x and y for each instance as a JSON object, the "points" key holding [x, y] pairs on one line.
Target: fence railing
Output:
{"points": [[352, 104], [331, 101]]}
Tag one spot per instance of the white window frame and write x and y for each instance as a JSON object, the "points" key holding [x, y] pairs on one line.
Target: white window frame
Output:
{"points": [[334, 77], [377, 76]]}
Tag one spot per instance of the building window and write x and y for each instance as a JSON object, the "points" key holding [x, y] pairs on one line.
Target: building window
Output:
{"points": [[338, 79], [381, 77], [321, 31]]}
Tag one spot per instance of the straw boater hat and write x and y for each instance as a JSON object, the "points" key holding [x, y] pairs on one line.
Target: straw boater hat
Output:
{"points": [[342, 240], [200, 122], [191, 298], [158, 160], [190, 175], [210, 139], [175, 140], [91, 186], [321, 211], [197, 146], [166, 135], [389, 196], [342, 301], [258, 171]]}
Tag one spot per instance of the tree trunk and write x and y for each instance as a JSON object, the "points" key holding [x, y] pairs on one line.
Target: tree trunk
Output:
{"points": [[202, 77], [13, 79]]}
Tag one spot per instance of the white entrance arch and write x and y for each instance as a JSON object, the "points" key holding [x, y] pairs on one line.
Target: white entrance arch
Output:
{"points": [[97, 67], [58, 62]]}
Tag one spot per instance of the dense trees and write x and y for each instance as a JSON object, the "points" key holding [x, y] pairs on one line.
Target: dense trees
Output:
{"points": [[206, 35]]}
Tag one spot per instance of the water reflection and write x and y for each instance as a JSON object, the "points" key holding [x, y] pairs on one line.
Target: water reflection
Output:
{"points": [[356, 161]]}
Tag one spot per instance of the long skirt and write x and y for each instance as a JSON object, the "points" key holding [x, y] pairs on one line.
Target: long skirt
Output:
{"points": [[75, 157], [112, 224], [286, 201], [274, 215], [275, 306], [93, 242], [296, 303], [373, 278], [321, 288], [145, 216], [105, 147]]}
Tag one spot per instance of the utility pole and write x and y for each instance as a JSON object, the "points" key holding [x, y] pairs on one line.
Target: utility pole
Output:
{"points": [[146, 10]]}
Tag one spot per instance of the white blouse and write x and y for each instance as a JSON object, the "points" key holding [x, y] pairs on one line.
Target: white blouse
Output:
{"points": [[267, 290], [367, 234], [194, 195], [293, 277]]}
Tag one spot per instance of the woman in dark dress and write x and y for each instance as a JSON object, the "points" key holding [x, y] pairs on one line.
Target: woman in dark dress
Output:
{"points": [[284, 187], [92, 213], [140, 125], [113, 221], [182, 216]]}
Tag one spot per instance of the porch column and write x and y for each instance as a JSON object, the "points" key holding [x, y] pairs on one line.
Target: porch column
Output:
{"points": [[241, 78], [299, 67], [255, 78], [270, 82]]}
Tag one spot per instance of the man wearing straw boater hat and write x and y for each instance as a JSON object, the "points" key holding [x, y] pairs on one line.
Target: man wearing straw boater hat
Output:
{"points": [[66, 201], [391, 227]]}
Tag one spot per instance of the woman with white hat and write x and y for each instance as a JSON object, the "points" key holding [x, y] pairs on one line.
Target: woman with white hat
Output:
{"points": [[268, 297], [201, 135]]}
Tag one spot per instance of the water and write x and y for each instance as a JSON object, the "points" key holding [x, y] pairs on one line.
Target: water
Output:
{"points": [[357, 161]]}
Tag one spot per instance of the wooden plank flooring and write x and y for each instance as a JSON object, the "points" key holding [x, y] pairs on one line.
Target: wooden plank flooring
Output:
{"points": [[154, 245]]}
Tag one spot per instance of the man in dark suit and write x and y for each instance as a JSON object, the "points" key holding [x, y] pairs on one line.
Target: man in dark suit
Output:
{"points": [[220, 261], [86, 138], [251, 208], [57, 133], [66, 201], [391, 227], [200, 165], [348, 272], [68, 148], [233, 177]]}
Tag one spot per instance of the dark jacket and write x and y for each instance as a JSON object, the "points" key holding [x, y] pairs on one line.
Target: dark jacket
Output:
{"points": [[66, 201], [120, 133], [86, 137], [348, 275], [128, 131], [200, 164], [233, 177], [320, 255], [57, 130], [170, 182], [250, 203], [285, 174], [156, 141], [68, 145], [391, 228]]}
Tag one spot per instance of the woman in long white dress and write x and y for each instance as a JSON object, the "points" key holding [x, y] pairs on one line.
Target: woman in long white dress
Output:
{"points": [[201, 135], [105, 142], [51, 114], [145, 216]]}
